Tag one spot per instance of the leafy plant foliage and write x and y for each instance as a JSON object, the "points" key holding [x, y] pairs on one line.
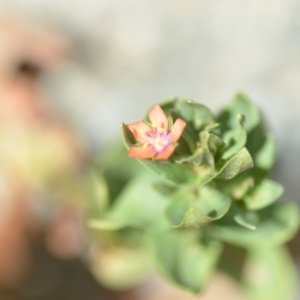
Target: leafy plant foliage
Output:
{"points": [[213, 191]]}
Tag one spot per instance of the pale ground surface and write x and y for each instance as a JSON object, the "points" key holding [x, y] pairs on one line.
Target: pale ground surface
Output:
{"points": [[133, 53]]}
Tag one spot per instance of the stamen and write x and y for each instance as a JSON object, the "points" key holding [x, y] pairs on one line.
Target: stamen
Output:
{"points": [[158, 137]]}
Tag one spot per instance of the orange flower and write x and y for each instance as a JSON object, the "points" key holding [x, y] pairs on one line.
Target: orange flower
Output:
{"points": [[158, 141]]}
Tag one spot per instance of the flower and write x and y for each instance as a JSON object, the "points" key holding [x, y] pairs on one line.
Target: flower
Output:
{"points": [[158, 141]]}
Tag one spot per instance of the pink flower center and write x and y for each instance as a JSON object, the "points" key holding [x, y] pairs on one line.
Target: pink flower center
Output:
{"points": [[159, 139]]}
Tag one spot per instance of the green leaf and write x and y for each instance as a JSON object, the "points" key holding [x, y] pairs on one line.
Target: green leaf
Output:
{"points": [[235, 138], [181, 258], [239, 187], [206, 175], [177, 173], [211, 145], [196, 208], [208, 147], [116, 169], [245, 218], [130, 208], [212, 128], [265, 158], [277, 225], [196, 158], [270, 274], [212, 142], [127, 136], [240, 104], [164, 188], [195, 113], [194, 218], [240, 162], [264, 194]]}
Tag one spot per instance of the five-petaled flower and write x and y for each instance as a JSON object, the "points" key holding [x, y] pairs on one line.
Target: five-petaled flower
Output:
{"points": [[158, 141]]}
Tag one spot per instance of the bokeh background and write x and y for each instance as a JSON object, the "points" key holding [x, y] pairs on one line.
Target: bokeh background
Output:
{"points": [[129, 54], [107, 61]]}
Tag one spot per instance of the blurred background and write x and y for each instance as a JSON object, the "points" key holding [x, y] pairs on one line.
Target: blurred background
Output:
{"points": [[71, 71]]}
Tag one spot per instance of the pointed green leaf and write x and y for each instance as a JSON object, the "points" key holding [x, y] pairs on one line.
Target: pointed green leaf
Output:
{"points": [[195, 209], [164, 188], [265, 158], [208, 147], [245, 218], [240, 104], [212, 128], [182, 259], [277, 225], [235, 138], [240, 187], [177, 173], [267, 192], [214, 143], [240, 162], [130, 208], [205, 175], [195, 113], [127, 136], [196, 158], [194, 218]]}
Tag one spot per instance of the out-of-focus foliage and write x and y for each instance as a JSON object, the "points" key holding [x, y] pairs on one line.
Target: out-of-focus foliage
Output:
{"points": [[214, 191]]}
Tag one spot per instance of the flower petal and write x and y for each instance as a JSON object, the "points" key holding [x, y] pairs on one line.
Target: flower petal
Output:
{"points": [[165, 154], [141, 152], [139, 130], [158, 117], [177, 130]]}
